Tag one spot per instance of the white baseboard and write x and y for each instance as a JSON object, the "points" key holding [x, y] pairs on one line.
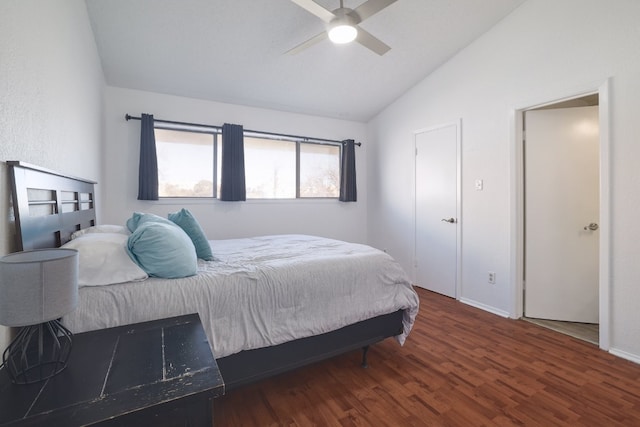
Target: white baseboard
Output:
{"points": [[485, 307], [623, 354]]}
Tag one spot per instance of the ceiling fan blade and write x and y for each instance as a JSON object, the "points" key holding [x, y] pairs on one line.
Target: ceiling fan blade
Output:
{"points": [[370, 7], [306, 44], [371, 42], [315, 9]]}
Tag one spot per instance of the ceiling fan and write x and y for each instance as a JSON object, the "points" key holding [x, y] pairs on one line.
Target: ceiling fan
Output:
{"points": [[342, 24]]}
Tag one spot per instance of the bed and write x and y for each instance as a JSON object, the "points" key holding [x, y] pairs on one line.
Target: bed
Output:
{"points": [[268, 304]]}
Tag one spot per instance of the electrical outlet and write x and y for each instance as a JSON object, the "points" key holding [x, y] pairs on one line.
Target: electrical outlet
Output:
{"points": [[492, 278]]}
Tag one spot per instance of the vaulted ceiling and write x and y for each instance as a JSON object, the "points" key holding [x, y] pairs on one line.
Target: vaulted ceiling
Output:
{"points": [[233, 51]]}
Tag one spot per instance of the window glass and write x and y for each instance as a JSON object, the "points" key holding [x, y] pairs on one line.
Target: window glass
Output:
{"points": [[185, 163], [270, 168], [319, 170]]}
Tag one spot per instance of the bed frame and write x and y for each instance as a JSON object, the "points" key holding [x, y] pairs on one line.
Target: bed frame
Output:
{"points": [[49, 206]]}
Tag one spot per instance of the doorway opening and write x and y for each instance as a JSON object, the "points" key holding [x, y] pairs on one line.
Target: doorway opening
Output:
{"points": [[561, 173], [592, 228]]}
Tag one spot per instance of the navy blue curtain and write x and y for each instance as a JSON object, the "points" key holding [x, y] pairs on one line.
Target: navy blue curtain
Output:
{"points": [[232, 184], [348, 190], [148, 169]]}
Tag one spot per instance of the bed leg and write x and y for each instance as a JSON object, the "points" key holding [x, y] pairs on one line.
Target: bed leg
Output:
{"points": [[365, 350]]}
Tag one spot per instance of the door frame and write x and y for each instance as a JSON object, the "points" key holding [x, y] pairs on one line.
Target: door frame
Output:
{"points": [[458, 125], [517, 203]]}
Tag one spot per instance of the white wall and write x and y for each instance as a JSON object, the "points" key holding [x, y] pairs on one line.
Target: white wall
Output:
{"points": [[221, 220], [51, 103], [543, 50]]}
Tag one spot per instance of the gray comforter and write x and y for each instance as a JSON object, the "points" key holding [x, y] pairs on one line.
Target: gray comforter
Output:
{"points": [[262, 291]]}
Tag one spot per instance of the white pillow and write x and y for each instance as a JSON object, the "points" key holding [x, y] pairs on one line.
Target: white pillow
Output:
{"points": [[104, 228], [103, 259]]}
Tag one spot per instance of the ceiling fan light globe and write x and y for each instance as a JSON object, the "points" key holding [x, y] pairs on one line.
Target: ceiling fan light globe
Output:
{"points": [[343, 33]]}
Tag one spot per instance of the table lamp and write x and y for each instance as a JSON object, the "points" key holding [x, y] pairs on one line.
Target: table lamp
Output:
{"points": [[36, 289]]}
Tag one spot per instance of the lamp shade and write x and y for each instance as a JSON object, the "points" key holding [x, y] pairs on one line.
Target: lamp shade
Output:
{"points": [[37, 286]]}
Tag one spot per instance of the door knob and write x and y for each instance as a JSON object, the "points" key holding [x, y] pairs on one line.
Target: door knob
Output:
{"points": [[449, 220], [593, 226]]}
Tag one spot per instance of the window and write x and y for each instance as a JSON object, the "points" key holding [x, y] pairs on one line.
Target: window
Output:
{"points": [[186, 163], [319, 170], [189, 165], [270, 168]]}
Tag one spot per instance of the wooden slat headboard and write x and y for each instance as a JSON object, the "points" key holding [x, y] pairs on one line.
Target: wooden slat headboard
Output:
{"points": [[48, 206]]}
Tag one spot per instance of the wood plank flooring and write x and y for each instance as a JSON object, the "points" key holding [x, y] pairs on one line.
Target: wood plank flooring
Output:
{"points": [[461, 366]]}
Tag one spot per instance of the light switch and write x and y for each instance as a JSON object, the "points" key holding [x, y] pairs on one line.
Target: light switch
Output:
{"points": [[479, 184]]}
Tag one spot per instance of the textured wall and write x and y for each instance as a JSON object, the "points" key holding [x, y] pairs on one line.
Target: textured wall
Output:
{"points": [[51, 87]]}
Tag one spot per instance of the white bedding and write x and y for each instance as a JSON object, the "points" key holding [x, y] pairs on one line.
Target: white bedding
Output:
{"points": [[262, 291]]}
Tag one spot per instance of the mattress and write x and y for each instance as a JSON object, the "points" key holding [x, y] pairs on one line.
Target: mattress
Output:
{"points": [[262, 291]]}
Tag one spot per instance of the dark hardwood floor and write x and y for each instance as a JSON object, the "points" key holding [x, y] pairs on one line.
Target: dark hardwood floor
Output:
{"points": [[461, 366]]}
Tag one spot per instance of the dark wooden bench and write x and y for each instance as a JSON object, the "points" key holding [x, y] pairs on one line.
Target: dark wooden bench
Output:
{"points": [[159, 373]]}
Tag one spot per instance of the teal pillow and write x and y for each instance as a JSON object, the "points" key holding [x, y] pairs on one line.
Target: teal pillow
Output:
{"points": [[190, 225], [162, 250], [139, 218]]}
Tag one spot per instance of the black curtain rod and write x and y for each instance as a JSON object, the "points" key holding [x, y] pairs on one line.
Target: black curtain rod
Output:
{"points": [[303, 138]]}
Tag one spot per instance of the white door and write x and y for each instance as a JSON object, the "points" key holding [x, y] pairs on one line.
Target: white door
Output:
{"points": [[561, 214], [436, 209]]}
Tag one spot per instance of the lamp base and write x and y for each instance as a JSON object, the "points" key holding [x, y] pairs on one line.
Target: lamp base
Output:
{"points": [[38, 352]]}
